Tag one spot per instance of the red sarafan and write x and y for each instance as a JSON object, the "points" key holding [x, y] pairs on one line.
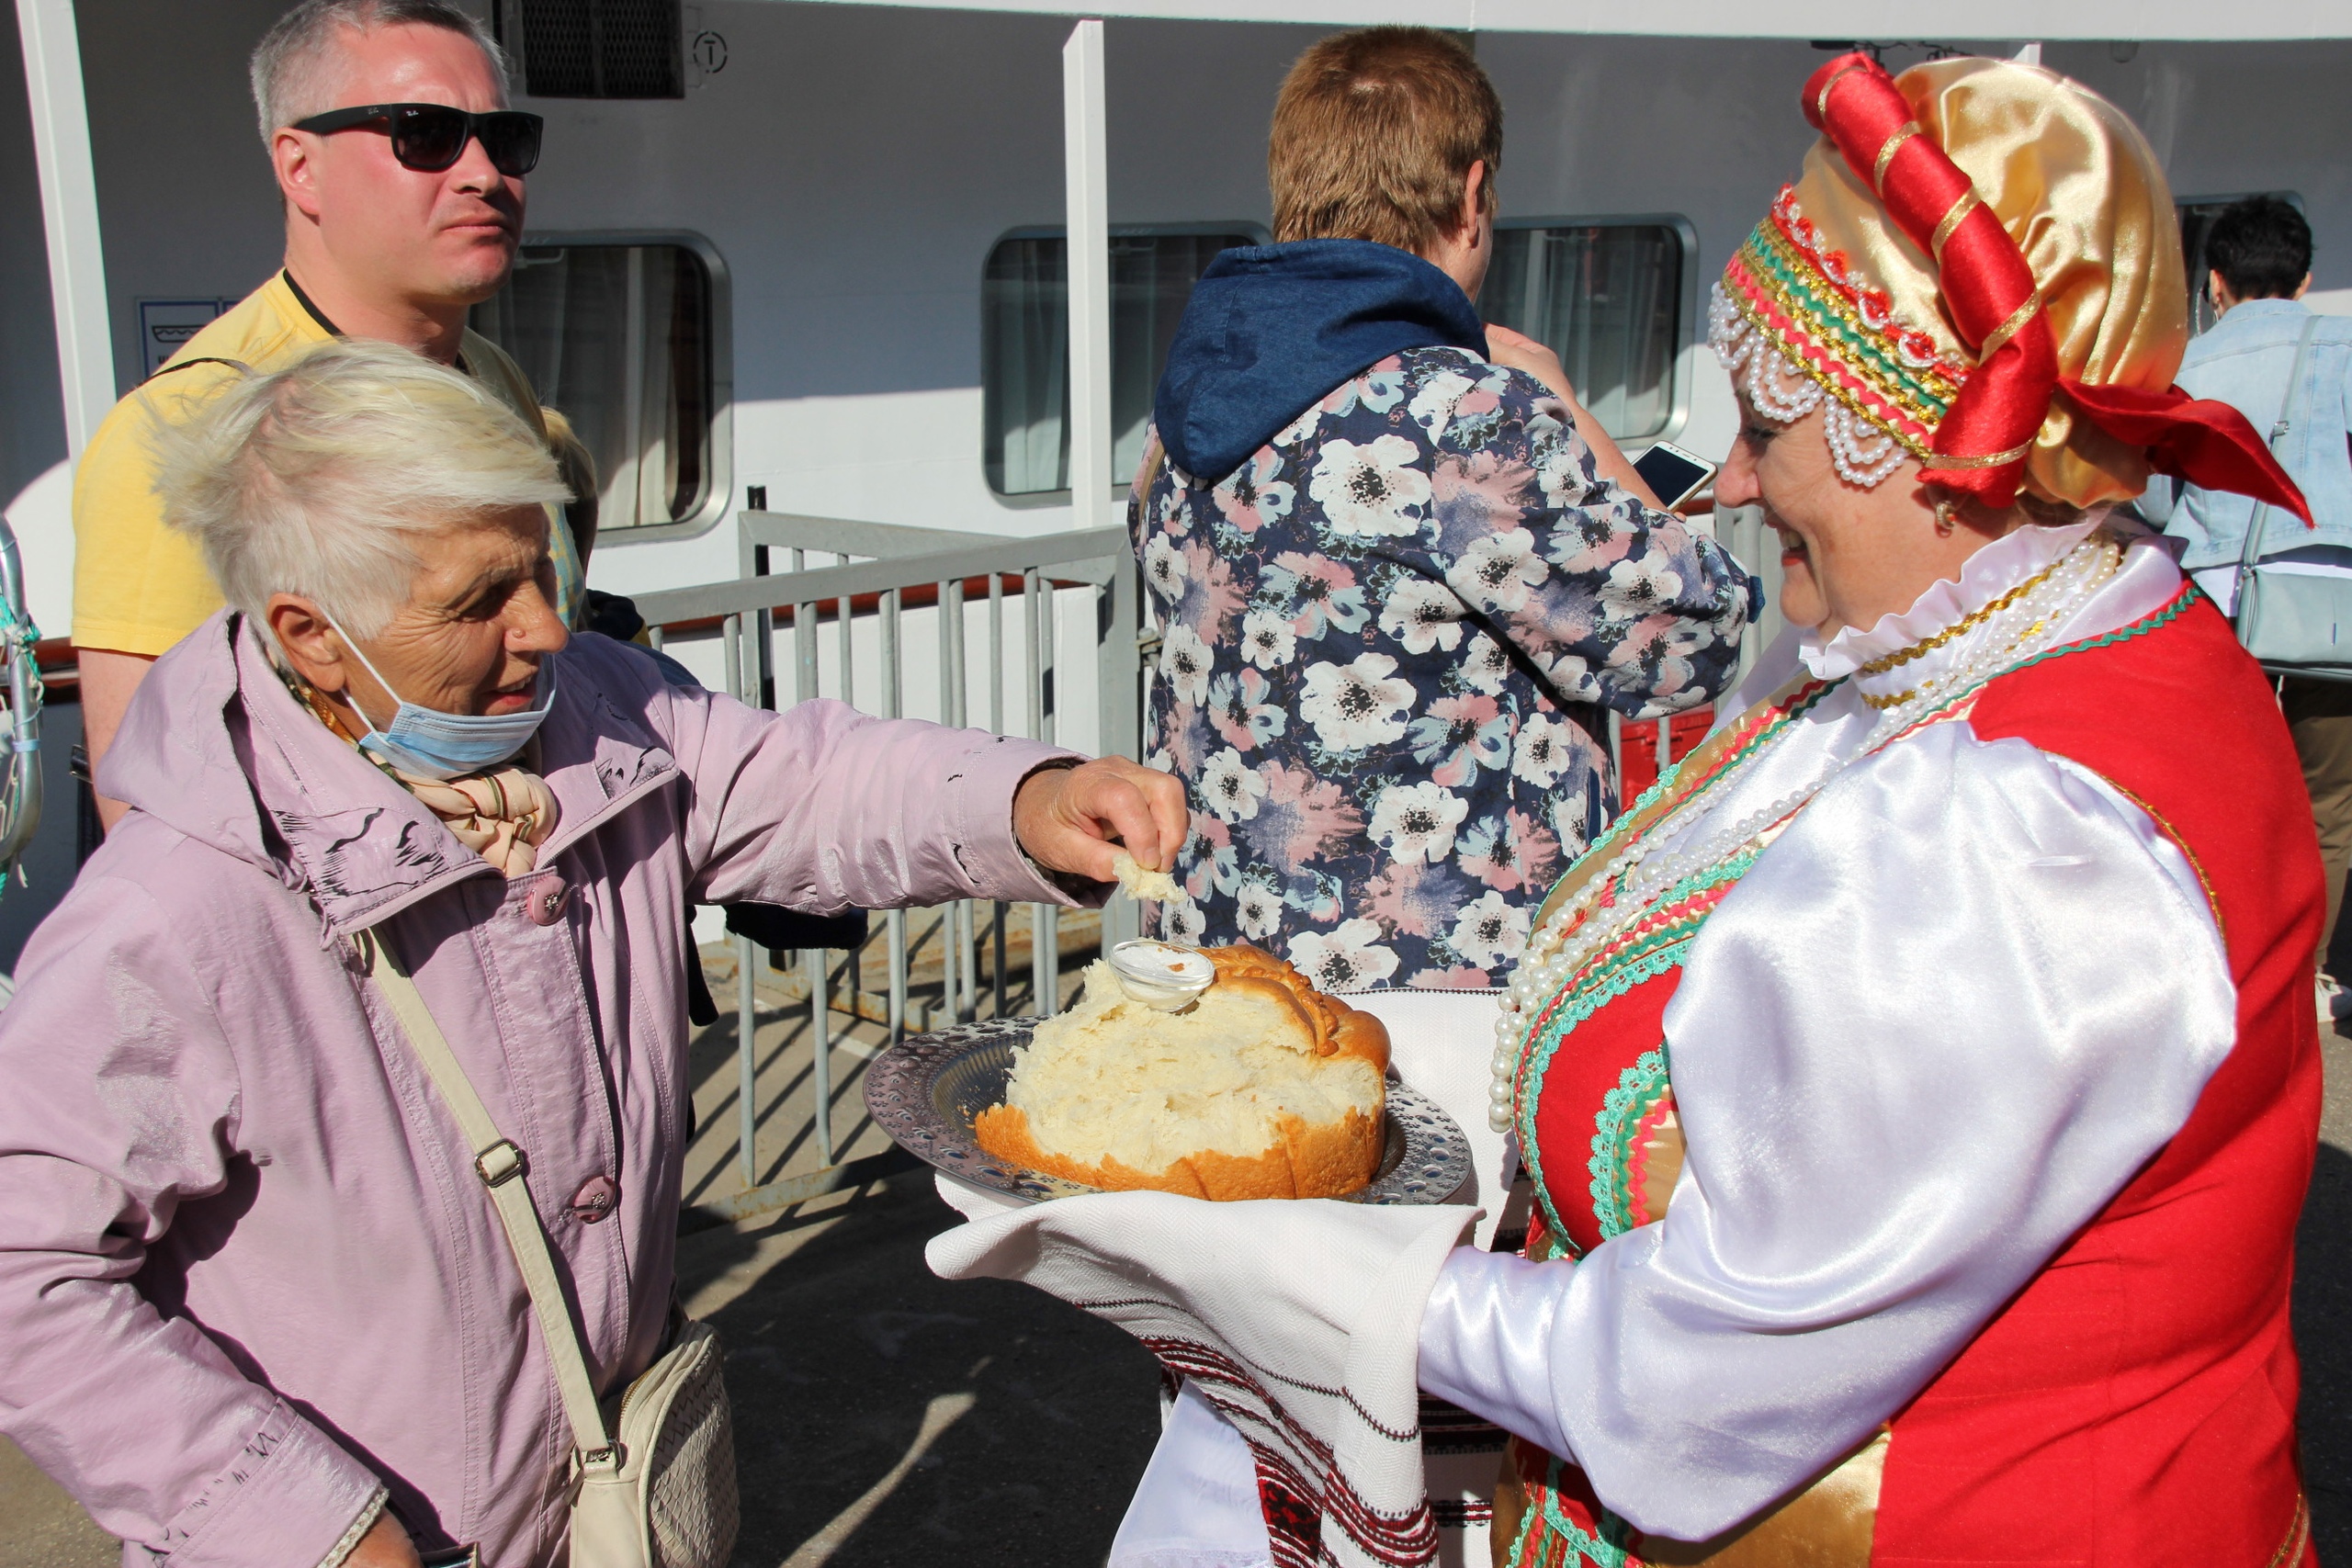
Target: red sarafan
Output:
{"points": [[2150, 1360]]}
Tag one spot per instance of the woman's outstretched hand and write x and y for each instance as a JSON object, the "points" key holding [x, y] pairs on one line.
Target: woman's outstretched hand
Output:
{"points": [[1073, 819]]}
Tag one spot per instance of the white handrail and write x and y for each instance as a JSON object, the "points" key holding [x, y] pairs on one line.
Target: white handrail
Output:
{"points": [[769, 622]]}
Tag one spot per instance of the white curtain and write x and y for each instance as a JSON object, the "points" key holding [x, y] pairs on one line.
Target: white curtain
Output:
{"points": [[1605, 299], [1025, 348], [1025, 305], [616, 337]]}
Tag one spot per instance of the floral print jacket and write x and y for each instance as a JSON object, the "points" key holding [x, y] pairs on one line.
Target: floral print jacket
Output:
{"points": [[1386, 640]]}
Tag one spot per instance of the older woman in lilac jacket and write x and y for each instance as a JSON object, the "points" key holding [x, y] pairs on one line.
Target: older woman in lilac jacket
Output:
{"points": [[255, 1309]]}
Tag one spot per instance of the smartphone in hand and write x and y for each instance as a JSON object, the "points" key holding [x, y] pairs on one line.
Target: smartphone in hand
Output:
{"points": [[1674, 475]]}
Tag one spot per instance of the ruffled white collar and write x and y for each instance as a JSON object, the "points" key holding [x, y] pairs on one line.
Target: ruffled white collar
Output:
{"points": [[1991, 571]]}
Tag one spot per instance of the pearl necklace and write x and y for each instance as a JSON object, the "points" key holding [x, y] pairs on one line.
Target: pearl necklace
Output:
{"points": [[2006, 632], [1961, 627]]}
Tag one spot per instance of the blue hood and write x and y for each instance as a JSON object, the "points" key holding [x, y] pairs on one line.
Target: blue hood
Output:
{"points": [[1273, 329]]}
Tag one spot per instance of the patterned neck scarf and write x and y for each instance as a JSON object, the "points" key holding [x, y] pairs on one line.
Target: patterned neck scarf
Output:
{"points": [[502, 814]]}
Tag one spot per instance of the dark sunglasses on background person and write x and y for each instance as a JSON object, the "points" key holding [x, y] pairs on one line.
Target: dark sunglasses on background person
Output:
{"points": [[430, 138]]}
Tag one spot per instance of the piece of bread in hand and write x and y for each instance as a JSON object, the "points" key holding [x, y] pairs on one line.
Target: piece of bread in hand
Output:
{"points": [[1156, 886], [1265, 1088]]}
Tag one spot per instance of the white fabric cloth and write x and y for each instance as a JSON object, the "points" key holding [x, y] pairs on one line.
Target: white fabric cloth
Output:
{"points": [[1188, 1511], [1943, 1020], [1197, 1504], [1296, 1318]]}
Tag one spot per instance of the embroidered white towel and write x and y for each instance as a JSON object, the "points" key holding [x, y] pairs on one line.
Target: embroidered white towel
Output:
{"points": [[1298, 1320]]}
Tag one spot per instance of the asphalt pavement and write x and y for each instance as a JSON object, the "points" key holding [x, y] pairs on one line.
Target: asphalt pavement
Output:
{"points": [[888, 1419]]}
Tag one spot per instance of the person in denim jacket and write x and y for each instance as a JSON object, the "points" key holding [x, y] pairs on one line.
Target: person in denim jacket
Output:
{"points": [[1401, 572], [2261, 255]]}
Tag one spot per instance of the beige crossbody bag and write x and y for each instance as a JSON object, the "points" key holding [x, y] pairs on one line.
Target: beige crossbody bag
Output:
{"points": [[653, 1482]]}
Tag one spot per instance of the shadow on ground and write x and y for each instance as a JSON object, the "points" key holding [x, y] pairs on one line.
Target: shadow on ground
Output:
{"points": [[886, 1417], [2323, 1336]]}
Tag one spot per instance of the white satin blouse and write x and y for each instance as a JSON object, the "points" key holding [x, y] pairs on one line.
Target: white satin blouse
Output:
{"points": [[1946, 1017]]}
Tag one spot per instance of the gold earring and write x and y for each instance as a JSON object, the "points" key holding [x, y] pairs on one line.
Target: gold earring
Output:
{"points": [[1947, 514]]}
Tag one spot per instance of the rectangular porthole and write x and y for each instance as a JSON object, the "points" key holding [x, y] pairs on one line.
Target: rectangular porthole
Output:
{"points": [[1024, 344], [623, 336], [1610, 297]]}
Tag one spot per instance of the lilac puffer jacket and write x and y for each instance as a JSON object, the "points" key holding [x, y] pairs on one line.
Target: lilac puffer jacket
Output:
{"points": [[248, 1279]]}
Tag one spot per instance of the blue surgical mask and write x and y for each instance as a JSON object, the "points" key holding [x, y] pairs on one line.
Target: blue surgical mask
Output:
{"points": [[436, 745]]}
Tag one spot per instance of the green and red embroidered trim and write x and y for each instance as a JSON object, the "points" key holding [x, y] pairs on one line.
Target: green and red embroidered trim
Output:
{"points": [[2163, 615], [1548, 1537], [1629, 1117]]}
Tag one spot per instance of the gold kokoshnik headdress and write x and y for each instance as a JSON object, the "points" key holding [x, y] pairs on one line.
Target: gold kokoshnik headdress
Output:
{"points": [[1980, 268]]}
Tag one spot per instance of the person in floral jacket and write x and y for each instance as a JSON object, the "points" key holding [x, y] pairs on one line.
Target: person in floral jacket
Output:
{"points": [[1398, 570]]}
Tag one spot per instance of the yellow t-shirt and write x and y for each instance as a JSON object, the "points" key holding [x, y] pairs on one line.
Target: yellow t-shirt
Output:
{"points": [[140, 585]]}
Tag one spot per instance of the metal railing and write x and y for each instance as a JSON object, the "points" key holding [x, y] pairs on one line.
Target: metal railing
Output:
{"points": [[1011, 597], [820, 601]]}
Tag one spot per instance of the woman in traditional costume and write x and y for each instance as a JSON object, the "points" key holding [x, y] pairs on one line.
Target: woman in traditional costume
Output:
{"points": [[1920, 1084]]}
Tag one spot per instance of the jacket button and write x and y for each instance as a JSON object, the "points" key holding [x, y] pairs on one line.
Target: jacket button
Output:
{"points": [[596, 1199], [546, 900]]}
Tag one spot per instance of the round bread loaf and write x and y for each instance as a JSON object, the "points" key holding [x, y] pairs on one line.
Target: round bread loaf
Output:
{"points": [[1265, 1088]]}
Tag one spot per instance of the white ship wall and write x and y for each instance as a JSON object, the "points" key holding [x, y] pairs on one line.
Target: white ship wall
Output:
{"points": [[853, 166]]}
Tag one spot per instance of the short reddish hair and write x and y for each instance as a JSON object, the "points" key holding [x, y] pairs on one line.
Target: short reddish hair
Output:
{"points": [[1374, 133]]}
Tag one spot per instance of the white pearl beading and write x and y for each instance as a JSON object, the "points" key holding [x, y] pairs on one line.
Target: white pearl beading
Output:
{"points": [[1640, 875], [1864, 451]]}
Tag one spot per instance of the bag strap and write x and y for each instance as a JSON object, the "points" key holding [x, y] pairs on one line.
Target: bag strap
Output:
{"points": [[2255, 526], [501, 1164], [1155, 458]]}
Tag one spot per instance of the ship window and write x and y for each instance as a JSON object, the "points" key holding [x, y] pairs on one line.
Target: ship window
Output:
{"points": [[1024, 344], [620, 338], [1607, 297]]}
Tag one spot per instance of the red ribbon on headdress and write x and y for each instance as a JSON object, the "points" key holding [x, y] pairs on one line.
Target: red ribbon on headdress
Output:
{"points": [[1982, 445]]}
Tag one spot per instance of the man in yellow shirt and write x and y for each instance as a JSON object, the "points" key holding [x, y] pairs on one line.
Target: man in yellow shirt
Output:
{"points": [[401, 170]]}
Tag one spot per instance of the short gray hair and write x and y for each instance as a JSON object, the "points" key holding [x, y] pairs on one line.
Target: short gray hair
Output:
{"points": [[322, 478], [290, 82]]}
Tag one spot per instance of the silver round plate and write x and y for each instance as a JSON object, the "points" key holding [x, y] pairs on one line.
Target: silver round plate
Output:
{"points": [[925, 1091]]}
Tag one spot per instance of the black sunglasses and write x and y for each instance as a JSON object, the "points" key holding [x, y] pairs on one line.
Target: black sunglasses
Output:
{"points": [[429, 138]]}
